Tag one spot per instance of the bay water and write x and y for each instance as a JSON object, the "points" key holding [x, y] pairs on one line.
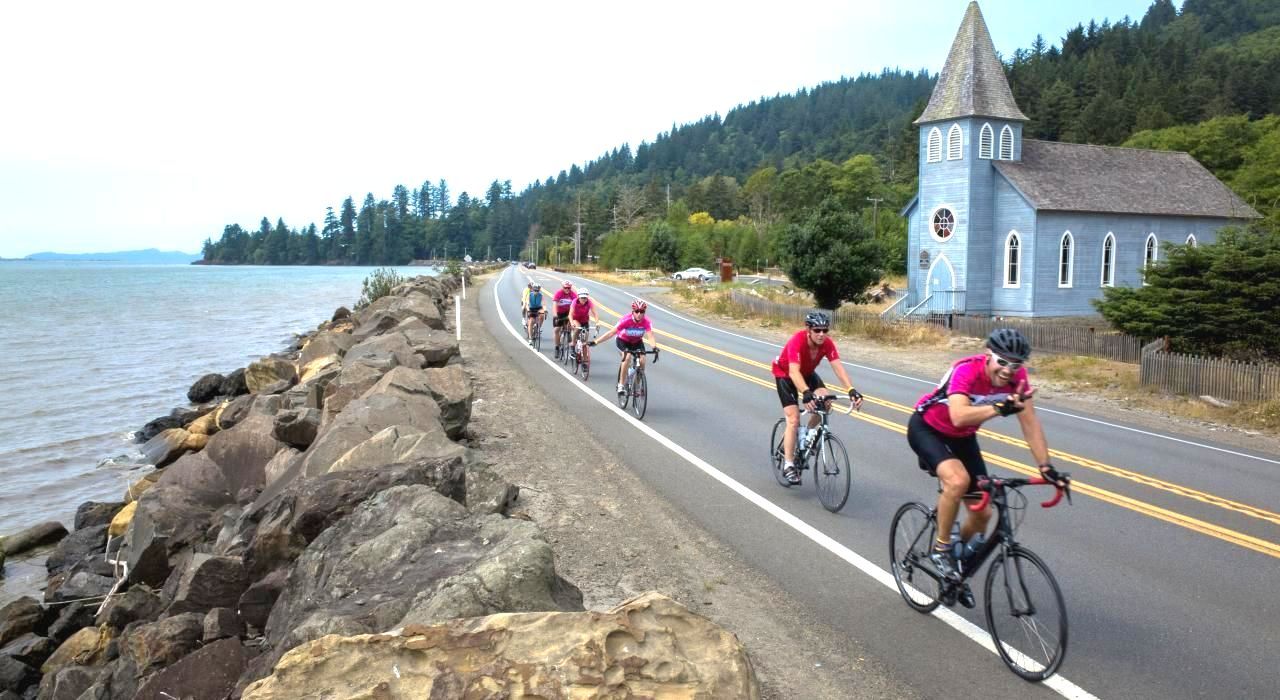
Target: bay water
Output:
{"points": [[90, 351]]}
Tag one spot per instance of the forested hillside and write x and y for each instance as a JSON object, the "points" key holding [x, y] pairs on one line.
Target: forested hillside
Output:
{"points": [[1202, 79]]}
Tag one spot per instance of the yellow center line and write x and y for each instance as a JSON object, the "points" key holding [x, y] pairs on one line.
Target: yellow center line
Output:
{"points": [[1190, 523]]}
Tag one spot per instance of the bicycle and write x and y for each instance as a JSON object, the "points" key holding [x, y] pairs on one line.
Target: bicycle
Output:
{"points": [[636, 387], [535, 334], [1017, 568], [825, 455], [562, 335], [581, 353]]}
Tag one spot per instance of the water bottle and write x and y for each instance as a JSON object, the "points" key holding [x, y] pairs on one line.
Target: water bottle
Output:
{"points": [[957, 543], [972, 546], [803, 438]]}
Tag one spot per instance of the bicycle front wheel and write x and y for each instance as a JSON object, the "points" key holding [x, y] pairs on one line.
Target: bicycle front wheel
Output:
{"points": [[910, 537], [777, 452], [1026, 614], [639, 394], [831, 472]]}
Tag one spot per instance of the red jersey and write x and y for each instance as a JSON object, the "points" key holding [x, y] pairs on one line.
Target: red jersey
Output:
{"points": [[798, 350]]}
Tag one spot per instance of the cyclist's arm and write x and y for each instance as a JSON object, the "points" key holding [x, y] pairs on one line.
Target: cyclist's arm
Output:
{"points": [[652, 338], [1033, 432], [841, 374], [964, 413], [606, 334]]}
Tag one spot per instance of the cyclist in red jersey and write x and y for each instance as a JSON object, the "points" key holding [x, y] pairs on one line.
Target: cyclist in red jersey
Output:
{"points": [[942, 432], [794, 373]]}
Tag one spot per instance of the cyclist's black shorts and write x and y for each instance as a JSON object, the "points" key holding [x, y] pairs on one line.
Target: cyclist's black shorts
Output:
{"points": [[535, 310], [933, 448], [561, 319], [624, 347], [787, 388]]}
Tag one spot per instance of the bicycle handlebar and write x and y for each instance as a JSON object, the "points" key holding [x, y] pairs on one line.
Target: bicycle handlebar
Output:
{"points": [[987, 485]]}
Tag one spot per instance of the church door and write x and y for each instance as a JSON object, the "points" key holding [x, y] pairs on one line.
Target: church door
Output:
{"points": [[942, 287]]}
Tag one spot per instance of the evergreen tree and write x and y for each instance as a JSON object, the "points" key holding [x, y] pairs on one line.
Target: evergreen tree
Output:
{"points": [[832, 255]]}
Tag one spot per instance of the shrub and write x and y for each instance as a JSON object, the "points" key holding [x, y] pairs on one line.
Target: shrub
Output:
{"points": [[378, 285]]}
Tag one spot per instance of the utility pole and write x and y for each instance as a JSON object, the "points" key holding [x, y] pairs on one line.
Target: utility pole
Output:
{"points": [[509, 258], [668, 197], [875, 212], [577, 235]]}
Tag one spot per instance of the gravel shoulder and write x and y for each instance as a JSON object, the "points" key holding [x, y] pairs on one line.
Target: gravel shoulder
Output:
{"points": [[615, 537]]}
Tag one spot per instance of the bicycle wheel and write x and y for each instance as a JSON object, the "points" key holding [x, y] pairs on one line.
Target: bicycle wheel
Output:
{"points": [[585, 363], [537, 337], [777, 453], [1026, 616], [910, 537], [639, 394], [625, 397], [831, 471]]}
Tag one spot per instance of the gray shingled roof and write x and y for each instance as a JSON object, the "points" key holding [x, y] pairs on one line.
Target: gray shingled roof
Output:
{"points": [[1079, 177], [972, 81]]}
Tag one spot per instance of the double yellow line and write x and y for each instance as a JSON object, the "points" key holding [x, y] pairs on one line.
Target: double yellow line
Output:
{"points": [[1194, 524]]}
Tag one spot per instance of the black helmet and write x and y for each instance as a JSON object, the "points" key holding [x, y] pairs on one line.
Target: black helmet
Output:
{"points": [[1010, 344], [817, 319]]}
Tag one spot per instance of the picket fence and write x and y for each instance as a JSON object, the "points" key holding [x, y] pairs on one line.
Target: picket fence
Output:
{"points": [[1210, 376]]}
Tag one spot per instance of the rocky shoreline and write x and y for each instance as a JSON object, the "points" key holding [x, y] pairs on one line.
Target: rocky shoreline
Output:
{"points": [[319, 525]]}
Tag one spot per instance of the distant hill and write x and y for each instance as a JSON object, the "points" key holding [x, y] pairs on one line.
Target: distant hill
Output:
{"points": [[150, 256]]}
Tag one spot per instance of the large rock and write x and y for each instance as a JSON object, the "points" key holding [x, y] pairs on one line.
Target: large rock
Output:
{"points": [[325, 344], [451, 388], [120, 523], [88, 647], [487, 492], [76, 547], [165, 448], [137, 603], [154, 427], [242, 453], [81, 584], [220, 623], [399, 398], [33, 537], [388, 350], [297, 427], [280, 465], [15, 675], [435, 346], [408, 555], [350, 384], [71, 619], [268, 371], [234, 384], [68, 683], [208, 672], [205, 582], [319, 366], [31, 649], [399, 443], [205, 388], [174, 514], [21, 616], [648, 647], [153, 645], [255, 605], [387, 312], [92, 513]]}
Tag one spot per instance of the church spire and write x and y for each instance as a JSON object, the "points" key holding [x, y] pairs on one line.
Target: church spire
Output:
{"points": [[972, 82]]}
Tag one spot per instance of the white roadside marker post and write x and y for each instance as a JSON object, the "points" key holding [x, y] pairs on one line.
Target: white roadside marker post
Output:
{"points": [[457, 316]]}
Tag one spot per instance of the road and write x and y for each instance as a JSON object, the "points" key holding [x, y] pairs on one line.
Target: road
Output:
{"points": [[1167, 559]]}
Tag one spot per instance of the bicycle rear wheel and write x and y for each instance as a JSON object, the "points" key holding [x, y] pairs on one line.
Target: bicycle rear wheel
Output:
{"points": [[639, 394], [625, 397], [831, 472], [1027, 611], [777, 453], [910, 537]]}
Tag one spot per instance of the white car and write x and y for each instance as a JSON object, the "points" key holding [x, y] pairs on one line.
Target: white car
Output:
{"points": [[695, 273]]}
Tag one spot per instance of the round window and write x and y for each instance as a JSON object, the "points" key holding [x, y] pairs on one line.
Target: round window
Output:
{"points": [[944, 223]]}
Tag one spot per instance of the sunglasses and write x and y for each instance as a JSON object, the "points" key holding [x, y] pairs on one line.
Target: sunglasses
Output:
{"points": [[820, 330], [1013, 366], [638, 313]]}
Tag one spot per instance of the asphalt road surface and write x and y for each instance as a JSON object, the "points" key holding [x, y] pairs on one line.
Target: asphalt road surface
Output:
{"points": [[1168, 559]]}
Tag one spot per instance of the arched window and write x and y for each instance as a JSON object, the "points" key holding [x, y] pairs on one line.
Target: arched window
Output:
{"points": [[986, 142], [955, 143], [1006, 143], [1109, 261], [1152, 251], [1066, 259], [1191, 239], [934, 151], [1012, 260]]}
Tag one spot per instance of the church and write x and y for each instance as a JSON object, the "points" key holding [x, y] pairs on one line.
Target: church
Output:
{"points": [[1007, 226]]}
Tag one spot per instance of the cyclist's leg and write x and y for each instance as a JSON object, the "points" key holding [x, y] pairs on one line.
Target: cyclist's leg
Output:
{"points": [[790, 399], [955, 482], [622, 364], [971, 456], [818, 388], [936, 457]]}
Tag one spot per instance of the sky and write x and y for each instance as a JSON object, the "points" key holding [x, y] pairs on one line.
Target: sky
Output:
{"points": [[154, 124]]}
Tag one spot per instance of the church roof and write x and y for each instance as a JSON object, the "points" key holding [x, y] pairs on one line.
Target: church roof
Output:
{"points": [[972, 81], [1079, 177]]}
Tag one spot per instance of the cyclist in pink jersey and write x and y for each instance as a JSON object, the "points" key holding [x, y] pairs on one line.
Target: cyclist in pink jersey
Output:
{"points": [[943, 431], [632, 331], [563, 301], [583, 310], [795, 374]]}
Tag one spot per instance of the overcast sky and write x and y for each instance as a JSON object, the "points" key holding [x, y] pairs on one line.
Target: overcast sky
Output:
{"points": [[153, 124]]}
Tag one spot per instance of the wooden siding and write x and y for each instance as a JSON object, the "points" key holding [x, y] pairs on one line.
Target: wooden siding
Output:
{"points": [[1013, 213]]}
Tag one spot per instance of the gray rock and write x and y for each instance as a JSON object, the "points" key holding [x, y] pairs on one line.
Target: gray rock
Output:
{"points": [[32, 537], [81, 584], [155, 427], [399, 443], [209, 672], [152, 646], [234, 412], [451, 388], [137, 603], [220, 623], [205, 582], [254, 607], [383, 406], [21, 616], [198, 474], [388, 350], [71, 619], [242, 452], [205, 388], [15, 675], [165, 448], [387, 312], [341, 313], [69, 683], [91, 513], [76, 547], [279, 465], [171, 517], [353, 380], [234, 384], [31, 649], [277, 387], [487, 492], [297, 427], [435, 346]]}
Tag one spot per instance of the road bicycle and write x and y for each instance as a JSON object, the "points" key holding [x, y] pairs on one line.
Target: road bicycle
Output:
{"points": [[824, 455], [635, 389], [1024, 608], [581, 353], [535, 333], [562, 334]]}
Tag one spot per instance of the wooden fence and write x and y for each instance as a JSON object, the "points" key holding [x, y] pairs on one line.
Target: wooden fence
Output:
{"points": [[1210, 376]]}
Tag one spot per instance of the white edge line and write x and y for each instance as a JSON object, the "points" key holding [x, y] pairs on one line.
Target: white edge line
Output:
{"points": [[1056, 682], [932, 382]]}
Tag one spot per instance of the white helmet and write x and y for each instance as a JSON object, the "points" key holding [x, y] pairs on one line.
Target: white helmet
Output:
{"points": [[583, 293]]}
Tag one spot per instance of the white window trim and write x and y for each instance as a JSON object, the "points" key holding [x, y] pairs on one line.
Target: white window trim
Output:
{"points": [[955, 225], [1070, 240], [1008, 241], [1191, 240], [1154, 244], [955, 143], [933, 147], [987, 142], [1108, 270], [1006, 137]]}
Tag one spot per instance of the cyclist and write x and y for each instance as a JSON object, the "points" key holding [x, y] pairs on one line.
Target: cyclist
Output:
{"points": [[632, 331], [583, 310], [795, 373], [942, 432], [563, 299], [524, 299], [533, 305]]}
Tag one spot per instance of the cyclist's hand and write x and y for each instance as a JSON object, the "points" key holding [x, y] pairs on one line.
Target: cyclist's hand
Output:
{"points": [[807, 399], [592, 343], [856, 397], [655, 356], [1050, 474]]}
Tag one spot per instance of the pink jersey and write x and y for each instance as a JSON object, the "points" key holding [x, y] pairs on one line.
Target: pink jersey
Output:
{"points": [[563, 298], [798, 351], [631, 331], [582, 311], [969, 377]]}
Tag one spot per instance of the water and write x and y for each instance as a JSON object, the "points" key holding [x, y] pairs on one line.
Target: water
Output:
{"points": [[89, 352]]}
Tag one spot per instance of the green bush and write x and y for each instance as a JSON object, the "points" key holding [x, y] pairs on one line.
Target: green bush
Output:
{"points": [[378, 285]]}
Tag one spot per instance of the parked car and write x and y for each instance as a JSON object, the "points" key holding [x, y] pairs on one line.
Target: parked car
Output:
{"points": [[695, 273]]}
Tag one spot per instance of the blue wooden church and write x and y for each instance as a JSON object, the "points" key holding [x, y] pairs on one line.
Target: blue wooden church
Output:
{"points": [[1007, 226]]}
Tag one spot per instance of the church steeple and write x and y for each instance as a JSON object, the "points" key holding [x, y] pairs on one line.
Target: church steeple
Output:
{"points": [[972, 82]]}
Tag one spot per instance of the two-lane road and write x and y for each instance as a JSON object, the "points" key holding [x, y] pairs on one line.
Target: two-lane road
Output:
{"points": [[1167, 559]]}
